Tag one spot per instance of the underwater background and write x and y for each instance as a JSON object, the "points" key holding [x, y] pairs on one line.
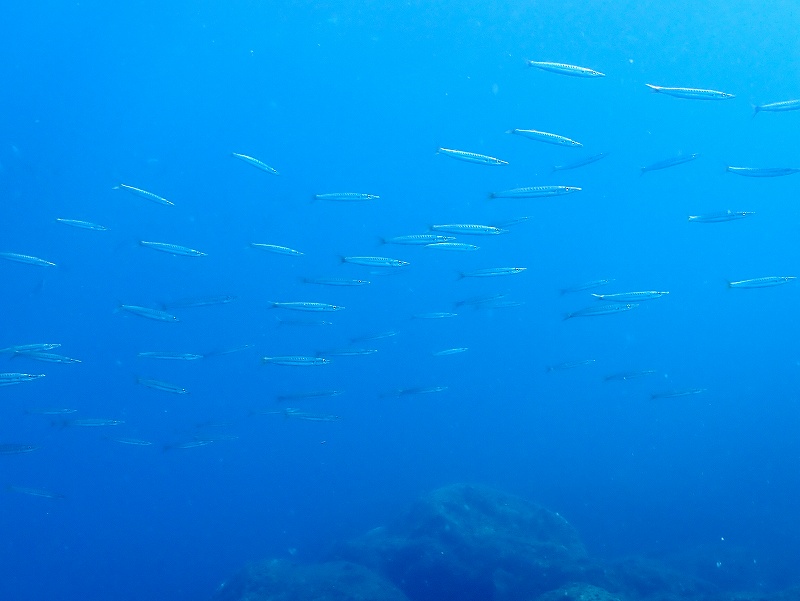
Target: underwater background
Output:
{"points": [[697, 455]]}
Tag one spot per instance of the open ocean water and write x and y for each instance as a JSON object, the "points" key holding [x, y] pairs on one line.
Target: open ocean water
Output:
{"points": [[204, 468]]}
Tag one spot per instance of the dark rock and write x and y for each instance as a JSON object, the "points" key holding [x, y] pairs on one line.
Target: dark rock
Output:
{"points": [[474, 544], [279, 580]]}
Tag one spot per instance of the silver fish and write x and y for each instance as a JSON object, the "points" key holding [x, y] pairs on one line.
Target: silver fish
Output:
{"points": [[418, 239], [629, 375], [48, 357], [762, 282], [16, 449], [492, 272], [169, 355], [274, 248], [11, 378], [570, 364], [84, 225], [436, 315], [39, 346], [691, 93], [581, 162], [603, 309], [172, 249], [162, 386], [335, 281], [468, 229], [450, 351], [27, 259], [93, 422], [256, 163], [201, 301], [777, 107], [535, 192], [670, 162], [471, 157], [763, 171], [720, 217], [543, 136], [306, 306], [375, 261], [154, 314], [145, 194], [564, 69], [670, 394], [457, 246], [586, 286], [35, 492], [626, 297], [346, 196], [310, 394], [296, 360]]}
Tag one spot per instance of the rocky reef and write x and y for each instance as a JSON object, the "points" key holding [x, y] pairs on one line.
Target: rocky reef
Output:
{"points": [[473, 544]]}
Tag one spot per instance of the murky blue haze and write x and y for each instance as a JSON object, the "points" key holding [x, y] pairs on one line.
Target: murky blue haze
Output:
{"points": [[357, 96]]}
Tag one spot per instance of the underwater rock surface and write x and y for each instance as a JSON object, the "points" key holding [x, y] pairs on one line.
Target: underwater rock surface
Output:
{"points": [[473, 543]]}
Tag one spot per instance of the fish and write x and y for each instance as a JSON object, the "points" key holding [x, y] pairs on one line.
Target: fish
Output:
{"points": [[626, 297], [450, 351], [766, 282], [335, 281], [471, 157], [190, 444], [418, 239], [27, 259], [375, 261], [310, 394], [586, 286], [604, 309], [581, 162], [138, 442], [256, 163], [55, 411], [172, 249], [296, 360], [762, 171], [306, 306], [146, 195], [376, 336], [670, 162], [93, 422], [11, 378], [478, 301], [535, 192], [437, 315], [564, 69], [84, 225], [543, 136], [274, 248], [472, 229], [39, 346], [670, 394], [570, 364], [45, 356], [720, 217], [149, 313], [16, 449], [348, 352], [346, 196], [509, 222], [419, 390], [457, 246], [177, 356], [201, 301], [777, 107], [162, 386], [492, 272], [691, 93], [628, 375], [35, 492], [309, 417]]}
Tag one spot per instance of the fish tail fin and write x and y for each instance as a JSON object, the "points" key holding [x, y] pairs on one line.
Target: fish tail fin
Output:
{"points": [[756, 110], [652, 87], [567, 316]]}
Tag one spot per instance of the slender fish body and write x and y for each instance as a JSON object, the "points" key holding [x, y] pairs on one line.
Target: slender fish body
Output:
{"points": [[720, 217], [763, 171], [296, 360], [468, 228], [604, 309], [546, 137], [346, 196], [627, 297], [172, 249], [691, 93], [375, 261], [148, 313], [777, 107], [492, 272], [766, 282], [581, 162], [146, 195], [471, 157], [563, 69], [27, 259], [535, 192], [670, 162], [256, 163], [274, 248], [306, 306], [84, 225]]}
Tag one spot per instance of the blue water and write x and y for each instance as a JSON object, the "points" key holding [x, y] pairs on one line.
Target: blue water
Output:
{"points": [[357, 96]]}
